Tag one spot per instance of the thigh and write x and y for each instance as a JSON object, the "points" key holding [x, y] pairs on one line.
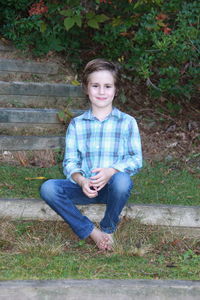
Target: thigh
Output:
{"points": [[74, 192]]}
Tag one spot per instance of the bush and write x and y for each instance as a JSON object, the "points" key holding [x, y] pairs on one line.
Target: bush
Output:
{"points": [[156, 41]]}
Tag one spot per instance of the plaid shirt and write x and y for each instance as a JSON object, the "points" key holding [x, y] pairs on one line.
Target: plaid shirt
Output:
{"points": [[112, 143]]}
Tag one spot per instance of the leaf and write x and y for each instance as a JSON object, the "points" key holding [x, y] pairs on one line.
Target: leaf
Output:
{"points": [[101, 18], [75, 82], [93, 23], [69, 23], [43, 27], [90, 15], [67, 13], [35, 178], [116, 21], [78, 20]]}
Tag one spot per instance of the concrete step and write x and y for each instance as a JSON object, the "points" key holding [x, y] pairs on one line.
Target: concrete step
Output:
{"points": [[24, 66], [26, 143], [181, 218], [106, 289]]}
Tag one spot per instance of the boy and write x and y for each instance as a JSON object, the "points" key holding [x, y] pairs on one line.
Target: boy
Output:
{"points": [[102, 151]]}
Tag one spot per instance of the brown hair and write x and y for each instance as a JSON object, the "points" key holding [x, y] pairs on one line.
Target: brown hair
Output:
{"points": [[100, 64]]}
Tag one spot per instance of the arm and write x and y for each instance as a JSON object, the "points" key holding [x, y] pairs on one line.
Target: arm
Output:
{"points": [[132, 160], [72, 159]]}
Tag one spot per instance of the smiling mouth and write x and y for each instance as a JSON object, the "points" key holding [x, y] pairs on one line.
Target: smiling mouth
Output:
{"points": [[100, 98]]}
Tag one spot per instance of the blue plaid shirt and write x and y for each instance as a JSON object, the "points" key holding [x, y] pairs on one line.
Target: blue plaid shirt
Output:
{"points": [[111, 143]]}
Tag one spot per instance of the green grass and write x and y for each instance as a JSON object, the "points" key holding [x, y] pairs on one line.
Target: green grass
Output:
{"points": [[163, 183], [49, 250], [157, 183]]}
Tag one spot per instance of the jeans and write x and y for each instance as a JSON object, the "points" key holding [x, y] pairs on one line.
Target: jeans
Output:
{"points": [[62, 196]]}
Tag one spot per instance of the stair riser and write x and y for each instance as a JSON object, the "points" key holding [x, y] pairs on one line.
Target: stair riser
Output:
{"points": [[39, 89], [22, 66], [25, 129], [42, 101], [36, 116], [31, 142]]}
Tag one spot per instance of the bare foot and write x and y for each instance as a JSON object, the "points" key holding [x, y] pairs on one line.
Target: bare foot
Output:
{"points": [[100, 238], [110, 242], [104, 241]]}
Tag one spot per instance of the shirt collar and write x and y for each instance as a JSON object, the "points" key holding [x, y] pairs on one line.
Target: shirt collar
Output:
{"points": [[89, 116]]}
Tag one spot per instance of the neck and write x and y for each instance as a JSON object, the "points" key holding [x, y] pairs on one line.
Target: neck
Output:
{"points": [[101, 114]]}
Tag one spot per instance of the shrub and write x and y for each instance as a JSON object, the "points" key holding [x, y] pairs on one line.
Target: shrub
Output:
{"points": [[156, 41]]}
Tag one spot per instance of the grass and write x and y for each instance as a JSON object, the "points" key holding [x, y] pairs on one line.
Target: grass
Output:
{"points": [[157, 183], [49, 250]]}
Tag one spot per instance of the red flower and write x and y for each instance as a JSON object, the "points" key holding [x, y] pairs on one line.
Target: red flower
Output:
{"points": [[105, 1], [38, 8], [166, 30]]}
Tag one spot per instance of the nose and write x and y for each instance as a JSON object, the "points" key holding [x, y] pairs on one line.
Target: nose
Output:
{"points": [[101, 90]]}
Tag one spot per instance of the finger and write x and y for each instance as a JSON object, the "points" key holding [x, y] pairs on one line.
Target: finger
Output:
{"points": [[89, 195], [89, 191], [96, 176], [97, 182], [96, 170], [100, 187]]}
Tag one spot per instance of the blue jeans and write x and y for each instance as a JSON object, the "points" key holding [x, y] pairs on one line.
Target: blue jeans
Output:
{"points": [[63, 195]]}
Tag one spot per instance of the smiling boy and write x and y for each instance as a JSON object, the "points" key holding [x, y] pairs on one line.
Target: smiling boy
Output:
{"points": [[103, 151]]}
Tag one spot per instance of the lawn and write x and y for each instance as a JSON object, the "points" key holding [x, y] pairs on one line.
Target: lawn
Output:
{"points": [[157, 183], [49, 250]]}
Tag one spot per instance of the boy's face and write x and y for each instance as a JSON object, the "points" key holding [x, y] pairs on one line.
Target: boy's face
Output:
{"points": [[101, 89]]}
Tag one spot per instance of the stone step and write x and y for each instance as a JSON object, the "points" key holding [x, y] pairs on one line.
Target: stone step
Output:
{"points": [[177, 216], [26, 143], [31, 129], [43, 101], [31, 121], [31, 94], [33, 115], [24, 66], [40, 89], [29, 115]]}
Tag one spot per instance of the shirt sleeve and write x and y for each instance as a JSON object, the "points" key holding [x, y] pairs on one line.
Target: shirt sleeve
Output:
{"points": [[132, 159], [72, 159]]}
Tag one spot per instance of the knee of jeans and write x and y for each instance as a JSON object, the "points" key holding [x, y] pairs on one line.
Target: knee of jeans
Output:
{"points": [[122, 182], [47, 190]]}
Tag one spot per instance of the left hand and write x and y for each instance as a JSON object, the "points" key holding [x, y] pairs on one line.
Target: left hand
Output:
{"points": [[101, 179]]}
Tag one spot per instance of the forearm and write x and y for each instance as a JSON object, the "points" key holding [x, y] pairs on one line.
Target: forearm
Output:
{"points": [[78, 178]]}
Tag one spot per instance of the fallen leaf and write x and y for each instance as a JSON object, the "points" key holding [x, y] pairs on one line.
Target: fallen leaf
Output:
{"points": [[35, 178]]}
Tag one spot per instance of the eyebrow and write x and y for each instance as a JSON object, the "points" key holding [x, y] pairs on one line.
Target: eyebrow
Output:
{"points": [[98, 83]]}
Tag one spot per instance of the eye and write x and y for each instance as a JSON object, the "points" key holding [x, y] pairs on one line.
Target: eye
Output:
{"points": [[108, 86], [94, 85]]}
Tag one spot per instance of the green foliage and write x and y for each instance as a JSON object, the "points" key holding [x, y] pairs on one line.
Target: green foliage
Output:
{"points": [[157, 42]]}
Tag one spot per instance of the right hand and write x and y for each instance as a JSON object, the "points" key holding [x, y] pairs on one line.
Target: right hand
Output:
{"points": [[88, 189]]}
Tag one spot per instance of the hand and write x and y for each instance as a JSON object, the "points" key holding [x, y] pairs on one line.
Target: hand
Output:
{"points": [[88, 188], [101, 179]]}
